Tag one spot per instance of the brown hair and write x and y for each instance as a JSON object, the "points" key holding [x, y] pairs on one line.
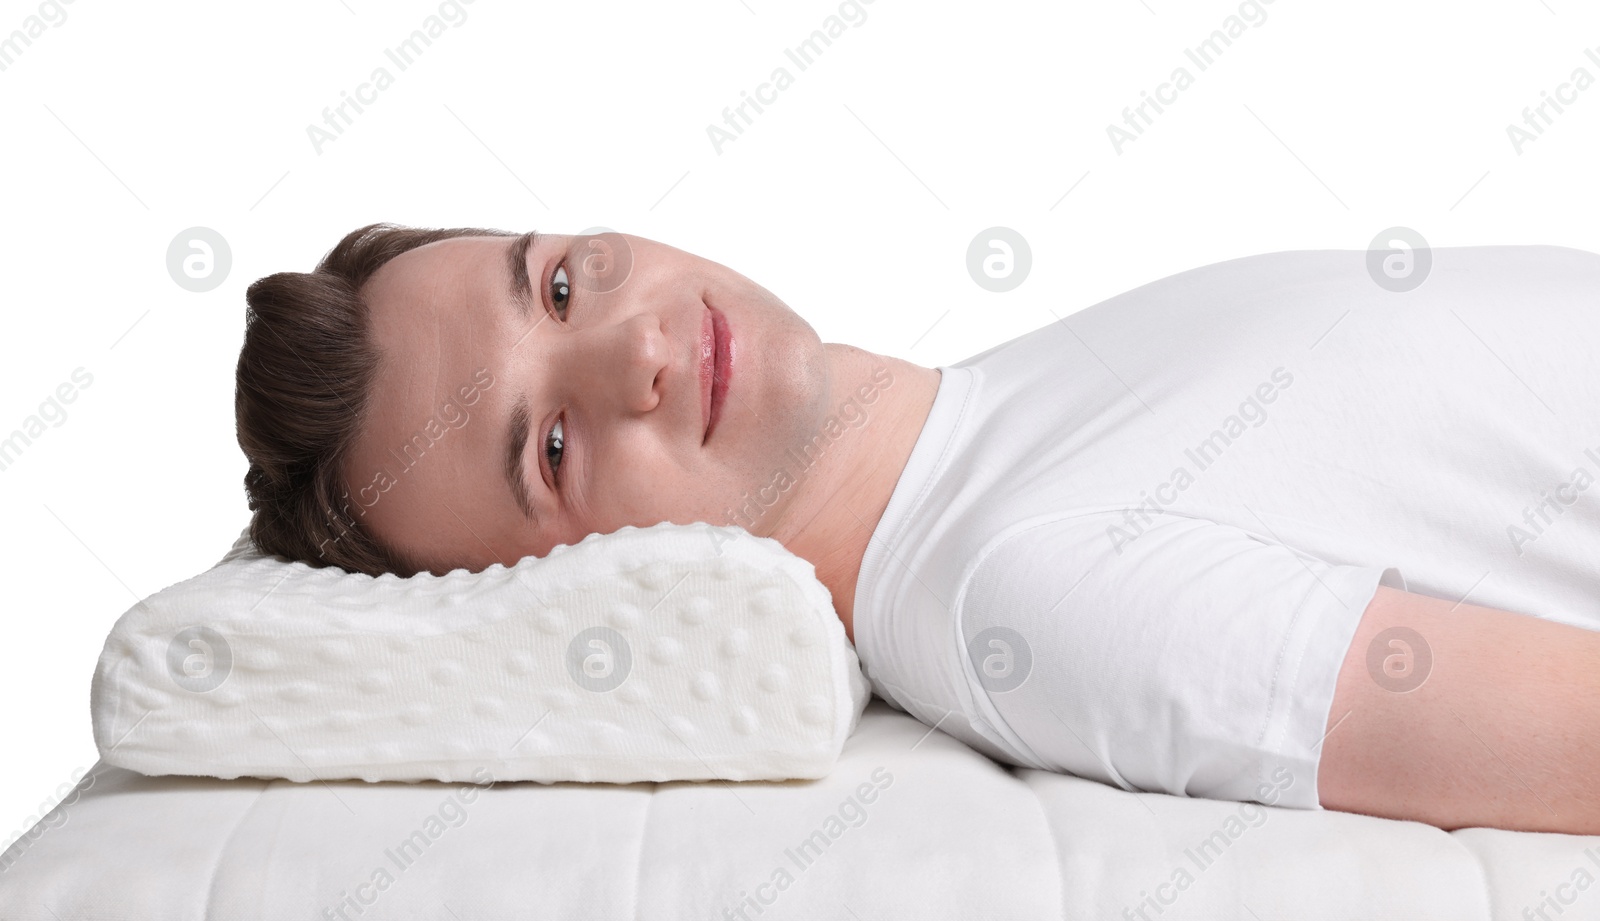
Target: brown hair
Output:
{"points": [[304, 377]]}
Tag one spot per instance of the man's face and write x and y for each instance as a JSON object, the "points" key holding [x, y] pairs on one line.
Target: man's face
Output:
{"points": [[610, 377]]}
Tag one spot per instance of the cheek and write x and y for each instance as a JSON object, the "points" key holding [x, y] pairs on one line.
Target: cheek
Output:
{"points": [[627, 481]]}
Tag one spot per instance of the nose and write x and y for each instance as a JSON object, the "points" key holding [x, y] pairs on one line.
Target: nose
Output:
{"points": [[620, 364]]}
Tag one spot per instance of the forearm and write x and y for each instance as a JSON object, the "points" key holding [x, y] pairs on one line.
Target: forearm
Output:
{"points": [[1503, 730]]}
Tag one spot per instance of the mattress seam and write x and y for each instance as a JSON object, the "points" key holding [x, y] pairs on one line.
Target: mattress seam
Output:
{"points": [[1483, 875], [222, 852], [1055, 846], [638, 860]]}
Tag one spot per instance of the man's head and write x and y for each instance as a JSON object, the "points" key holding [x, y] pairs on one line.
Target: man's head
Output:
{"points": [[380, 397]]}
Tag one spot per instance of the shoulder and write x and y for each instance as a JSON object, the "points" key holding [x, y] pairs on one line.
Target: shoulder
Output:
{"points": [[1127, 560]]}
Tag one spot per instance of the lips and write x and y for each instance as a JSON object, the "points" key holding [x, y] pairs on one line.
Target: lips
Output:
{"points": [[715, 366]]}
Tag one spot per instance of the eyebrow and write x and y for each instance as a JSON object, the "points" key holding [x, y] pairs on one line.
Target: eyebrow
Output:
{"points": [[521, 290], [517, 260], [516, 445]]}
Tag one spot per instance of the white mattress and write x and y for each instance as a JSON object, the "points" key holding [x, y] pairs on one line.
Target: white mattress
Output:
{"points": [[947, 833]]}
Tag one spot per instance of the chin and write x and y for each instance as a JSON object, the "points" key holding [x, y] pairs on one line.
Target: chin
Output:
{"points": [[795, 370]]}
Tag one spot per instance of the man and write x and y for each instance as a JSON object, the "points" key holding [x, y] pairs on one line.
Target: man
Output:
{"points": [[1213, 537]]}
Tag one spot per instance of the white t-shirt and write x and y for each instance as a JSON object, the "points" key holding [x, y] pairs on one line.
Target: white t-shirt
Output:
{"points": [[1180, 501]]}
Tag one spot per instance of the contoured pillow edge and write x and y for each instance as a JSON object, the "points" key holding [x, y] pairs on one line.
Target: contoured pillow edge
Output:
{"points": [[339, 675]]}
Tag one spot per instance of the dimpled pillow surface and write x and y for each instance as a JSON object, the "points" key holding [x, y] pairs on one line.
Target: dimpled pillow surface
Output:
{"points": [[673, 652]]}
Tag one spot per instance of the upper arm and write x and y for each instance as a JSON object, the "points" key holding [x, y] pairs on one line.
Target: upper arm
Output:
{"points": [[1459, 715], [1190, 657]]}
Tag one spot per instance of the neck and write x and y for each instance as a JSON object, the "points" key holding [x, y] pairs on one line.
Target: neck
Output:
{"points": [[845, 492]]}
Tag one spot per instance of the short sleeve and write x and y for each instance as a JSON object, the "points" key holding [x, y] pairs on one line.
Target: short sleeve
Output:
{"points": [[1182, 656]]}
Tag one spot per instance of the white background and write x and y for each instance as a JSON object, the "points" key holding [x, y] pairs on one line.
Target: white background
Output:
{"points": [[854, 197]]}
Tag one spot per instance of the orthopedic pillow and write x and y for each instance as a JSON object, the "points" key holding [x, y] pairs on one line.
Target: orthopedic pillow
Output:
{"points": [[673, 652]]}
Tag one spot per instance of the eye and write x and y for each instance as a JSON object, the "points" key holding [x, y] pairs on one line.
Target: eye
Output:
{"points": [[554, 449], [560, 290]]}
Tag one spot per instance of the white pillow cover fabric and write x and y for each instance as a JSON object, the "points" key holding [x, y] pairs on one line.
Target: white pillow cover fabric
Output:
{"points": [[672, 652]]}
